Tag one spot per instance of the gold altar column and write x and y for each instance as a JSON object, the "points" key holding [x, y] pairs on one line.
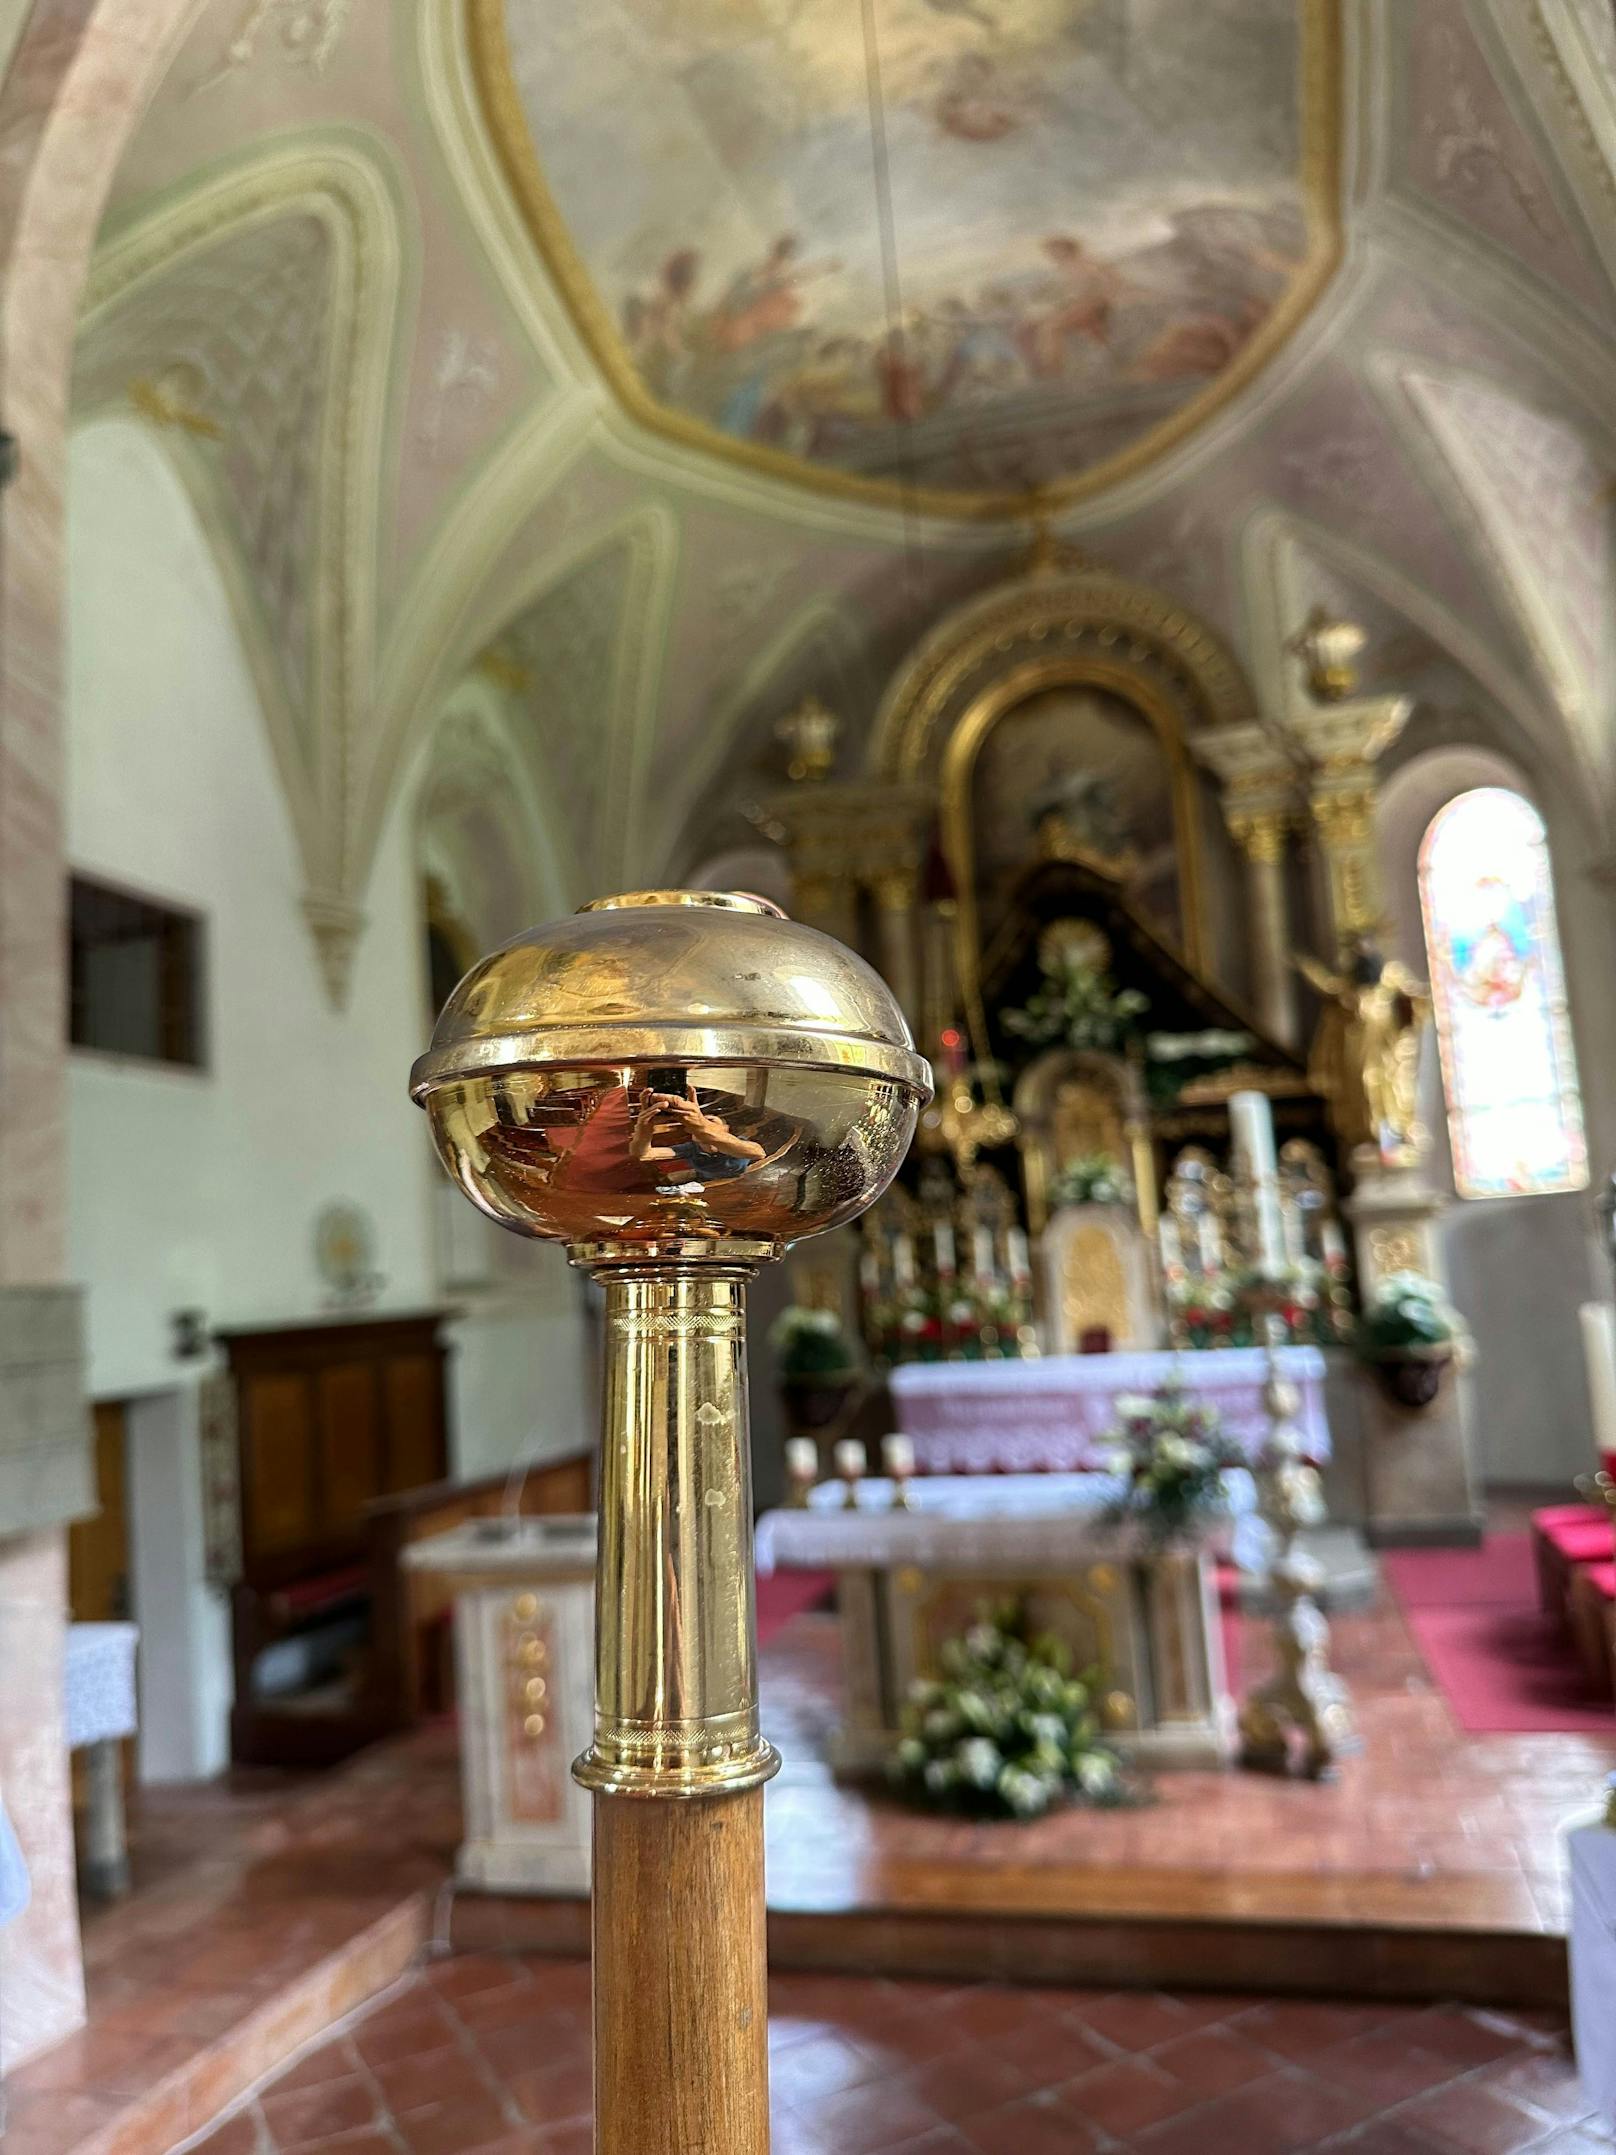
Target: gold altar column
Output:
{"points": [[1258, 780], [845, 841], [1342, 742], [677, 1085]]}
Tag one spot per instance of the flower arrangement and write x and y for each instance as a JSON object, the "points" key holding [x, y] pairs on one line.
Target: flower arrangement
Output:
{"points": [[1236, 1308], [1175, 1060], [1408, 1314], [1094, 1179], [810, 1343], [1078, 1005], [1172, 1454], [1006, 1730]]}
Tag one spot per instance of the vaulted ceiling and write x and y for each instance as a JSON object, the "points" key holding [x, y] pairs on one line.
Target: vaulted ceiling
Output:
{"points": [[655, 410]]}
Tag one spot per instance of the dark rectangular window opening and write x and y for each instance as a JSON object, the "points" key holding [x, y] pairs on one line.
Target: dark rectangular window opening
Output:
{"points": [[134, 976]]}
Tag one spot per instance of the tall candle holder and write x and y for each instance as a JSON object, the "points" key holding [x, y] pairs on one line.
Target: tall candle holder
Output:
{"points": [[676, 1085]]}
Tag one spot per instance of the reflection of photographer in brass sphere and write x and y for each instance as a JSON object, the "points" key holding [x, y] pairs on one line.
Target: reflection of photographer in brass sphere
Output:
{"points": [[670, 1124]]}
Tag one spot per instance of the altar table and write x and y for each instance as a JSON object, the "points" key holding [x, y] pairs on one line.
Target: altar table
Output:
{"points": [[908, 1580], [525, 1669], [1052, 1415]]}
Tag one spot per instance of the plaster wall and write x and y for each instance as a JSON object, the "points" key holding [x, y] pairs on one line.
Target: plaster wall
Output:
{"points": [[201, 1189]]}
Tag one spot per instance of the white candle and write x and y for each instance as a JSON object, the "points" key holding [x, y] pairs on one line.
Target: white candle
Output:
{"points": [[1251, 1126], [942, 1243], [849, 1458], [802, 1459], [1599, 1359], [1020, 1264], [903, 1262], [898, 1456], [982, 1252]]}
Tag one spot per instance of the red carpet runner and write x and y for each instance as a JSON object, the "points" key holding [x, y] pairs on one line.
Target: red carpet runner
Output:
{"points": [[1503, 1667]]}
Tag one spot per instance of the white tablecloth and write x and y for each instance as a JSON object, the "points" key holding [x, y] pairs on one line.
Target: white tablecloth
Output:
{"points": [[1042, 1519], [1053, 1415], [100, 1682], [1593, 1962]]}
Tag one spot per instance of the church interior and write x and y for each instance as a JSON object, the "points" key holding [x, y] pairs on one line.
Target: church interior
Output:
{"points": [[807, 1216]]}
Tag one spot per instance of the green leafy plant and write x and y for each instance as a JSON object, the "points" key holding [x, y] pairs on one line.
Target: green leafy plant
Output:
{"points": [[1175, 1060], [1093, 1179], [1407, 1313], [1005, 1730], [1173, 1456], [810, 1343], [1078, 1005]]}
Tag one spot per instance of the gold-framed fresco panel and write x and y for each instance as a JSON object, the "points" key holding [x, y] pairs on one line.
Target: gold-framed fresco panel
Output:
{"points": [[1319, 177], [1021, 683]]}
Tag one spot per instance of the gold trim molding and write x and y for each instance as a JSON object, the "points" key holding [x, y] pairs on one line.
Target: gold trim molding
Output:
{"points": [[1321, 94]]}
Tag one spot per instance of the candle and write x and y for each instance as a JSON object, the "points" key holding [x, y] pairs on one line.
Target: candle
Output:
{"points": [[898, 1456], [942, 1243], [849, 1458], [1599, 1360], [1020, 1264], [982, 1252], [903, 1262], [802, 1459], [1251, 1126]]}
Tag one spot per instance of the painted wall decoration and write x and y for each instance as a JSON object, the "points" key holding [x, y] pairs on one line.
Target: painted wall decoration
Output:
{"points": [[1105, 214], [1508, 1070], [1093, 762]]}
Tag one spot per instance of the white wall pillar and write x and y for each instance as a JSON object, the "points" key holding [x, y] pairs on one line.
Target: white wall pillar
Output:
{"points": [[185, 1674]]}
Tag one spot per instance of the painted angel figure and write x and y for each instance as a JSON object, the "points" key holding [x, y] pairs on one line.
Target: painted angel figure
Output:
{"points": [[1366, 1052]]}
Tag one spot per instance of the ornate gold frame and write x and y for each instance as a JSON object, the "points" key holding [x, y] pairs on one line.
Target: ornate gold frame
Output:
{"points": [[1320, 177], [1032, 678]]}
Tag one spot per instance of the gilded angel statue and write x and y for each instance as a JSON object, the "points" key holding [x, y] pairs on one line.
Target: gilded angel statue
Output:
{"points": [[1366, 1052]]}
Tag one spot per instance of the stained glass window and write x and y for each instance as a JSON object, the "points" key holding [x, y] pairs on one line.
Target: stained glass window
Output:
{"points": [[1508, 1071]]}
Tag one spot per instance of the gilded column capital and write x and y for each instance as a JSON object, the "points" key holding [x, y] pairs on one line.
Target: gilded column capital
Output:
{"points": [[1260, 833]]}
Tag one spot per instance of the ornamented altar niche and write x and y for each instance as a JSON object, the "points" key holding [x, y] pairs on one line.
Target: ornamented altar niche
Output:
{"points": [[1070, 858], [1029, 863]]}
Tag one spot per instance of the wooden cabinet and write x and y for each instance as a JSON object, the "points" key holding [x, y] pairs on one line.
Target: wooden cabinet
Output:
{"points": [[330, 1416]]}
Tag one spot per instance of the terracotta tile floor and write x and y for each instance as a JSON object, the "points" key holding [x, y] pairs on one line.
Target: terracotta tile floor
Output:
{"points": [[489, 2056], [1424, 1816], [268, 1906]]}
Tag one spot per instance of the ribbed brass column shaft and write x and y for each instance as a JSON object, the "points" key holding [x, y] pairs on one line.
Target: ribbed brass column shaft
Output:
{"points": [[676, 1624]]}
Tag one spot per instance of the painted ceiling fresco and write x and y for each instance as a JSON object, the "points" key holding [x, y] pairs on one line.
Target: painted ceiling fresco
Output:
{"points": [[1104, 215]]}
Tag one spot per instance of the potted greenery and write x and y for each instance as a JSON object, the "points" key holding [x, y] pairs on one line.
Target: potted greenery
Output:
{"points": [[815, 1363], [1005, 1730], [1408, 1336]]}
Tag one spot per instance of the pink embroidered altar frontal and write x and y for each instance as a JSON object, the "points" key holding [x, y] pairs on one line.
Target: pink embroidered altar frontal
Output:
{"points": [[1053, 1415]]}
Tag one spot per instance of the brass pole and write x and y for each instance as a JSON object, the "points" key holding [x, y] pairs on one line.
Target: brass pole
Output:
{"points": [[676, 1085], [677, 1765]]}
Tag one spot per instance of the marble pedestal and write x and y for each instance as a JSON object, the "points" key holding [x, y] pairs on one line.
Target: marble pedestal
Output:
{"points": [[524, 1653], [1419, 1476]]}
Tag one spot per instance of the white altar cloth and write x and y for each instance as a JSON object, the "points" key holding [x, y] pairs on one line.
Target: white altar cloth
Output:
{"points": [[99, 1682], [1044, 1519], [1593, 1962], [1053, 1415]]}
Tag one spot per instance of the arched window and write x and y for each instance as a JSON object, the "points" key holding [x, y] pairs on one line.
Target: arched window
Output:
{"points": [[1514, 1110]]}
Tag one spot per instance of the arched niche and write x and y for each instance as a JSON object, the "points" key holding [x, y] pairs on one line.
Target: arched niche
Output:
{"points": [[1073, 679]]}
